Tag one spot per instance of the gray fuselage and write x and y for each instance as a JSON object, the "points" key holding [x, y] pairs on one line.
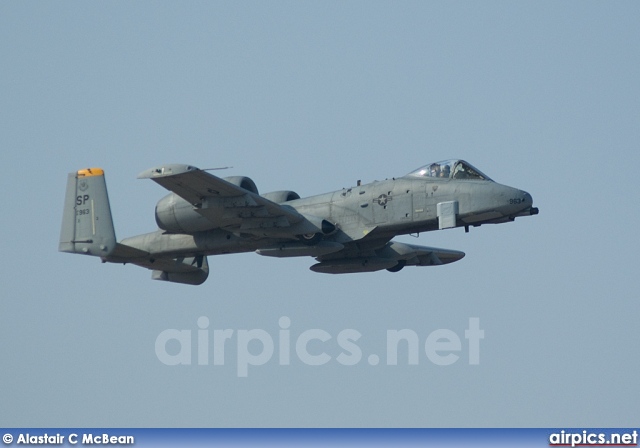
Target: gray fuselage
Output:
{"points": [[391, 207]]}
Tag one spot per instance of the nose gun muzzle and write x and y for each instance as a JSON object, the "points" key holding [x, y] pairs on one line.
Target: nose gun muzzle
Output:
{"points": [[528, 202]]}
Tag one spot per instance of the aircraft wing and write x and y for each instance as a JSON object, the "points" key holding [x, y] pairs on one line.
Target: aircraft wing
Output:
{"points": [[190, 183], [383, 254], [224, 202]]}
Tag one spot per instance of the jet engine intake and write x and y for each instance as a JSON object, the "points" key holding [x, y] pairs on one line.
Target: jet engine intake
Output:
{"points": [[243, 182], [281, 196]]}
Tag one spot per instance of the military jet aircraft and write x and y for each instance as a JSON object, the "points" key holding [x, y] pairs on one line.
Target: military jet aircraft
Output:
{"points": [[346, 231]]}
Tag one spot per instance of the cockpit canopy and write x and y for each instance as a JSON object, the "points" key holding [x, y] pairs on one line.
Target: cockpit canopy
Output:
{"points": [[450, 169]]}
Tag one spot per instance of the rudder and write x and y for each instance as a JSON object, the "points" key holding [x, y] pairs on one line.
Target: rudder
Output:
{"points": [[87, 226]]}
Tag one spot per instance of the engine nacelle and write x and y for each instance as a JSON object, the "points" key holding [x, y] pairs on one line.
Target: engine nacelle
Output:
{"points": [[243, 182], [174, 214], [281, 196]]}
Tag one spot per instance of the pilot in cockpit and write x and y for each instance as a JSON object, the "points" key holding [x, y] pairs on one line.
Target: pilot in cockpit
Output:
{"points": [[450, 169]]}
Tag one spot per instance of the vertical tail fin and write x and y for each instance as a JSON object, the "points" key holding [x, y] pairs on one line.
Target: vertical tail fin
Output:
{"points": [[87, 227]]}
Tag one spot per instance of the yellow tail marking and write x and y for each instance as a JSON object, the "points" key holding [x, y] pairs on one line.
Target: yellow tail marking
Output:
{"points": [[91, 172]]}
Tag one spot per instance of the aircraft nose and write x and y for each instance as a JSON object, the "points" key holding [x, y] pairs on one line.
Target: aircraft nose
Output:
{"points": [[527, 200]]}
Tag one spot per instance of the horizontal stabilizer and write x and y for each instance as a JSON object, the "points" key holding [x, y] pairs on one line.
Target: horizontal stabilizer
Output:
{"points": [[189, 271], [126, 254]]}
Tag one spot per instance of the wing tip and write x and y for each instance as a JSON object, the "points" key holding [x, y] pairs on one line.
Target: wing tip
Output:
{"points": [[171, 169]]}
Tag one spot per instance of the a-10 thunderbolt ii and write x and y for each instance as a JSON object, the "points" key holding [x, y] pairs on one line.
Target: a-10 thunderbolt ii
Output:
{"points": [[346, 231]]}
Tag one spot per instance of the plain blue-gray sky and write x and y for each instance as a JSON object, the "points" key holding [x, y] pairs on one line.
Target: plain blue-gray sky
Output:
{"points": [[311, 97]]}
